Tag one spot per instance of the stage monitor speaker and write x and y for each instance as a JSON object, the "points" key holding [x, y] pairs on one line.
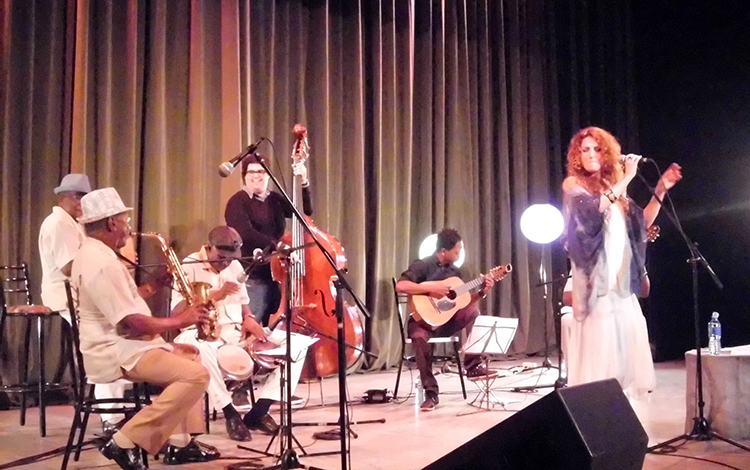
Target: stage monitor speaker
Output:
{"points": [[585, 427]]}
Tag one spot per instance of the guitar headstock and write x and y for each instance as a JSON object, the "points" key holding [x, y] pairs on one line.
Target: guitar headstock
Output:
{"points": [[300, 151], [499, 272], [652, 233]]}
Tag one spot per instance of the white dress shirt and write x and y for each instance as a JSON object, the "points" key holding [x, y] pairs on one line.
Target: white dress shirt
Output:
{"points": [[106, 295], [60, 237], [229, 309]]}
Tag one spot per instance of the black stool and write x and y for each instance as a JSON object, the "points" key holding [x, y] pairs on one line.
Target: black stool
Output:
{"points": [[15, 282]]}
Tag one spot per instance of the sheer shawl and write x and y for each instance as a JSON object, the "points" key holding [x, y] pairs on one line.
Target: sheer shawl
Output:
{"points": [[583, 239]]}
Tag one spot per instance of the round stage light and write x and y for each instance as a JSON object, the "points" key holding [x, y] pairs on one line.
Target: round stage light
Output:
{"points": [[429, 245], [542, 223]]}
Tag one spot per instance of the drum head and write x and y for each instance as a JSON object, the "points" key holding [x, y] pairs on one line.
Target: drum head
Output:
{"points": [[235, 362]]}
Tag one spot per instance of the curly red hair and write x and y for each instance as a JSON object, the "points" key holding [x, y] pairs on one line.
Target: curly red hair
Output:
{"points": [[611, 170]]}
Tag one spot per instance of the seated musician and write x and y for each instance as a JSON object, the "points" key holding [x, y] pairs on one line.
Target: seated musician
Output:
{"points": [[121, 339], [221, 270], [423, 277]]}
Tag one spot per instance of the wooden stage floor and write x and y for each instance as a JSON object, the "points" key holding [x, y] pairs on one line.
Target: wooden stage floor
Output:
{"points": [[409, 439]]}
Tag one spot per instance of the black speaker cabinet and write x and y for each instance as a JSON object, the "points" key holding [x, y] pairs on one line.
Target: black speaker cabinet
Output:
{"points": [[585, 427]]}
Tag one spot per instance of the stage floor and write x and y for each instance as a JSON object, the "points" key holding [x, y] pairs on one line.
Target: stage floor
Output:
{"points": [[409, 439]]}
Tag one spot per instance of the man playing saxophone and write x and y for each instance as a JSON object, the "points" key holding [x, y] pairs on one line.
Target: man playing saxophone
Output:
{"points": [[120, 338], [215, 264]]}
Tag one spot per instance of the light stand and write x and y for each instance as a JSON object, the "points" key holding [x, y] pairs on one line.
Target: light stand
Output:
{"points": [[701, 428], [543, 224]]}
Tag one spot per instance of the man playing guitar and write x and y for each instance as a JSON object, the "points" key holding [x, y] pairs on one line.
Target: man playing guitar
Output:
{"points": [[424, 277]]}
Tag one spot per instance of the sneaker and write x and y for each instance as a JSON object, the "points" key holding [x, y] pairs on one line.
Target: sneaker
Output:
{"points": [[429, 403]]}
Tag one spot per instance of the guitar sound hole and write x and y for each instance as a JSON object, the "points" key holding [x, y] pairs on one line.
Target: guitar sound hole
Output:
{"points": [[451, 294], [445, 305]]}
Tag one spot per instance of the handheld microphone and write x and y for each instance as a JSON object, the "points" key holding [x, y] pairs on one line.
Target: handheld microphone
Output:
{"points": [[227, 168], [642, 160]]}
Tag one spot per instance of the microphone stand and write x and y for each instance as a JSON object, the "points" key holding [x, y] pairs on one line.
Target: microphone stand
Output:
{"points": [[287, 458], [546, 364], [701, 428], [341, 284]]}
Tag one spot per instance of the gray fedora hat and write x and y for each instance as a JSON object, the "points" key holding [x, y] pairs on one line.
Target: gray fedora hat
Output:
{"points": [[74, 182]]}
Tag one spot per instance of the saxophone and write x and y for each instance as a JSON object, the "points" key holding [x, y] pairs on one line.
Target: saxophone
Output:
{"points": [[194, 293]]}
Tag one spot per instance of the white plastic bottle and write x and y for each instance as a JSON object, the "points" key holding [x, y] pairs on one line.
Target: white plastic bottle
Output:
{"points": [[419, 394], [714, 335]]}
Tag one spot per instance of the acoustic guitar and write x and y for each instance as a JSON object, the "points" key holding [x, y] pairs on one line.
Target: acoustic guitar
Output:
{"points": [[652, 233], [433, 312]]}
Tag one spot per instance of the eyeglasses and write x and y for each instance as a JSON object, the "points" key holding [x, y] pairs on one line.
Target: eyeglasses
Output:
{"points": [[227, 248], [256, 172], [125, 220]]}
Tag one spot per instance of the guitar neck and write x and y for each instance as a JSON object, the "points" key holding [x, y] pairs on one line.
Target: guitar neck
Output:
{"points": [[469, 286]]}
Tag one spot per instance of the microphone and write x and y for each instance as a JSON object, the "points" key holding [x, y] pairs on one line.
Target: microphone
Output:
{"points": [[227, 168], [642, 160], [259, 256]]}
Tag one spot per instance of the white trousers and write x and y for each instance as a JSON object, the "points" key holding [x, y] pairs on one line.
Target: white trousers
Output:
{"points": [[218, 394]]}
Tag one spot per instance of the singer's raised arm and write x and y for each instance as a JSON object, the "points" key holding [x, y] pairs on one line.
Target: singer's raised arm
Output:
{"points": [[670, 177]]}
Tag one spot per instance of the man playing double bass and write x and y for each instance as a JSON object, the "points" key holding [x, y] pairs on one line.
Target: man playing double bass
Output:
{"points": [[259, 216], [423, 277]]}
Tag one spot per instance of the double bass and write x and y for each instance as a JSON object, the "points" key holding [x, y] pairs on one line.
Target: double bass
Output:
{"points": [[312, 292]]}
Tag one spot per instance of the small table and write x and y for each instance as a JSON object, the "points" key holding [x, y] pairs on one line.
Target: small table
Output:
{"points": [[726, 391]]}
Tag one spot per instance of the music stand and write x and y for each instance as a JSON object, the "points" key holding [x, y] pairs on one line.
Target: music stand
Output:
{"points": [[490, 335]]}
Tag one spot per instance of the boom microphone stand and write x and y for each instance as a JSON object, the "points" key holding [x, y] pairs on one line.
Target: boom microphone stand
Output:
{"points": [[701, 428], [341, 284]]}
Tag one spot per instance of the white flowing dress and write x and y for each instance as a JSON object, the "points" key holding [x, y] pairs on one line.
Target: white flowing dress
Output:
{"points": [[612, 341]]}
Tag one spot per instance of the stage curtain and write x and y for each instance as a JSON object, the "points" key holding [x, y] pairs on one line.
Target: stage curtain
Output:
{"points": [[421, 115]]}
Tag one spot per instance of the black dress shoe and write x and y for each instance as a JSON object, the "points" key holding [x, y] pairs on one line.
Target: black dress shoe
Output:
{"points": [[128, 459], [266, 425], [191, 453], [237, 430]]}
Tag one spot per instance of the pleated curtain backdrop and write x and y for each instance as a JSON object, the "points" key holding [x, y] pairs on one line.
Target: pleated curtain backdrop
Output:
{"points": [[420, 115]]}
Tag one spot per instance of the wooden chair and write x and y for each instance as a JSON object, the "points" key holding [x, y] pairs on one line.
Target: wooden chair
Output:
{"points": [[86, 403], [402, 308], [16, 302]]}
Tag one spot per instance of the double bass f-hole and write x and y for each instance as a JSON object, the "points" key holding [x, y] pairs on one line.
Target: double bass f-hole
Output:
{"points": [[320, 294]]}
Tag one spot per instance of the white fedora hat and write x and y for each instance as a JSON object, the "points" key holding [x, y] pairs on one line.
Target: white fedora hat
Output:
{"points": [[74, 182], [100, 204]]}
